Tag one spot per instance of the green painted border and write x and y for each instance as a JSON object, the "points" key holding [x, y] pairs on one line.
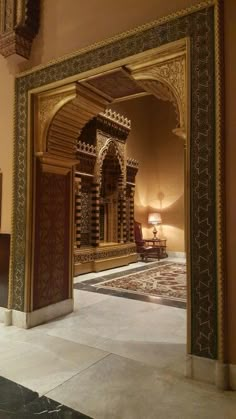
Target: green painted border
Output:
{"points": [[199, 27]]}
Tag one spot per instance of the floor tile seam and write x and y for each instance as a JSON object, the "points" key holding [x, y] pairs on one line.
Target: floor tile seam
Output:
{"points": [[78, 373], [70, 363], [130, 358], [151, 307], [93, 304], [86, 345]]}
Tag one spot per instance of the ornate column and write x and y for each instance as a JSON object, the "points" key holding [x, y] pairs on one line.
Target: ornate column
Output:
{"points": [[122, 236], [131, 214], [77, 210], [60, 114], [95, 212], [131, 171]]}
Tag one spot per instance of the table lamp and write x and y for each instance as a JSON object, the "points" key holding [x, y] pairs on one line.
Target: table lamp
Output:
{"points": [[154, 218]]}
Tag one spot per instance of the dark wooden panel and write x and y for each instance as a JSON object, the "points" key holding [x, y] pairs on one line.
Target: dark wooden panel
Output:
{"points": [[4, 268], [52, 239]]}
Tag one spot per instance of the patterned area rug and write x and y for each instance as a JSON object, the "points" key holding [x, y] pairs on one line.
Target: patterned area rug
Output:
{"points": [[168, 281], [163, 282]]}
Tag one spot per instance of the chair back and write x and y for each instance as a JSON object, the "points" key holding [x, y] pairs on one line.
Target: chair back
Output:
{"points": [[138, 236]]}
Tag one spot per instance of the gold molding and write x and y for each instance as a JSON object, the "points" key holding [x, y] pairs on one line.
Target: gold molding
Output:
{"points": [[123, 35]]}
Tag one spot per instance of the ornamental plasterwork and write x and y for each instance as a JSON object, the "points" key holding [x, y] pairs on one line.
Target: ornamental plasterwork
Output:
{"points": [[19, 24], [89, 255], [166, 81], [107, 143], [83, 147], [117, 118], [132, 163], [46, 108]]}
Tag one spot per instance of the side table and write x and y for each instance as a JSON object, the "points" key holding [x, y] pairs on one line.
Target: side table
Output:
{"points": [[158, 248]]}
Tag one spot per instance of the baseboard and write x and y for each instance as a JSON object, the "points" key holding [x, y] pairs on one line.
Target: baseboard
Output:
{"points": [[232, 376], [201, 369], [176, 254], [5, 316], [27, 320], [2, 314], [212, 372]]}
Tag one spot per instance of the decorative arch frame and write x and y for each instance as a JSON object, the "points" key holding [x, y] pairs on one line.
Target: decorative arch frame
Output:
{"points": [[102, 155], [170, 82], [201, 25], [165, 91]]}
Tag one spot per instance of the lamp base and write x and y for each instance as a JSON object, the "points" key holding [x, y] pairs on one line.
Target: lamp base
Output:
{"points": [[154, 233]]}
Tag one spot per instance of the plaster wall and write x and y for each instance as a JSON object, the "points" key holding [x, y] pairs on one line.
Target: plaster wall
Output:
{"points": [[160, 178], [6, 142], [73, 24]]}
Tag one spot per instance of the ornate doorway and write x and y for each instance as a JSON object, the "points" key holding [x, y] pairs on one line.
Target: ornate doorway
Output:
{"points": [[69, 93]]}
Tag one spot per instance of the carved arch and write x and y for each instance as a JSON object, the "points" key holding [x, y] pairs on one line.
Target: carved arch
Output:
{"points": [[166, 81], [63, 112], [102, 155]]}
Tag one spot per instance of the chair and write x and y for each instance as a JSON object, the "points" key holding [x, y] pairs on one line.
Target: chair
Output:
{"points": [[144, 250]]}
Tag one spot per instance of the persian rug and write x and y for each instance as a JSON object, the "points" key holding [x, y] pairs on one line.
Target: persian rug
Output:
{"points": [[162, 283]]}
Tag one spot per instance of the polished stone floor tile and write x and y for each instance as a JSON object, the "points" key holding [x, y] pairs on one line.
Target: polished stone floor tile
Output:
{"points": [[42, 362], [119, 388], [81, 299], [113, 358], [148, 333], [18, 402], [13, 396], [44, 407]]}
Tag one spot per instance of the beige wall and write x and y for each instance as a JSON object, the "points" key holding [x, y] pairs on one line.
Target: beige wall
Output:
{"points": [[6, 141], [67, 25], [160, 178]]}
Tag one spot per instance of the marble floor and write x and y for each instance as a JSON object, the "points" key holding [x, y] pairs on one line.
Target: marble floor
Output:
{"points": [[112, 358]]}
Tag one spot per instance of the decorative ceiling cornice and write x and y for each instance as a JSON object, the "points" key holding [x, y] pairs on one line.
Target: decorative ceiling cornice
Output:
{"points": [[19, 25]]}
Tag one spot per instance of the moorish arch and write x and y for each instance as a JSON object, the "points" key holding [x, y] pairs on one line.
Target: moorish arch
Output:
{"points": [[187, 30], [62, 113], [166, 81], [68, 165]]}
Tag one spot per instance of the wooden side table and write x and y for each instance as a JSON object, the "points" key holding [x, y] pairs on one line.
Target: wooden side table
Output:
{"points": [[158, 248]]}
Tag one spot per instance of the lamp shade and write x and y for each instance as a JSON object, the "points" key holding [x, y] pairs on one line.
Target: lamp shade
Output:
{"points": [[154, 218]]}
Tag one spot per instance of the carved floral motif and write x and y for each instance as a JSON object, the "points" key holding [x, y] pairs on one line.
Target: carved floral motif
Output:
{"points": [[19, 25]]}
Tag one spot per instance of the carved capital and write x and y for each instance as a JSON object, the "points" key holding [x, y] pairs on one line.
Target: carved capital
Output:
{"points": [[19, 25]]}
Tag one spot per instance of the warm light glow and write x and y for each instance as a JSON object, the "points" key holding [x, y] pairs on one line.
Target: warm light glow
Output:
{"points": [[154, 218]]}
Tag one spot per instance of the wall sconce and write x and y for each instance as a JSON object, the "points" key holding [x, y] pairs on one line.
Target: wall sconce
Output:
{"points": [[154, 218]]}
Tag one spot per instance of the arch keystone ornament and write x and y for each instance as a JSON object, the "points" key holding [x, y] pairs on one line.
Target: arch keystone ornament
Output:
{"points": [[201, 25]]}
